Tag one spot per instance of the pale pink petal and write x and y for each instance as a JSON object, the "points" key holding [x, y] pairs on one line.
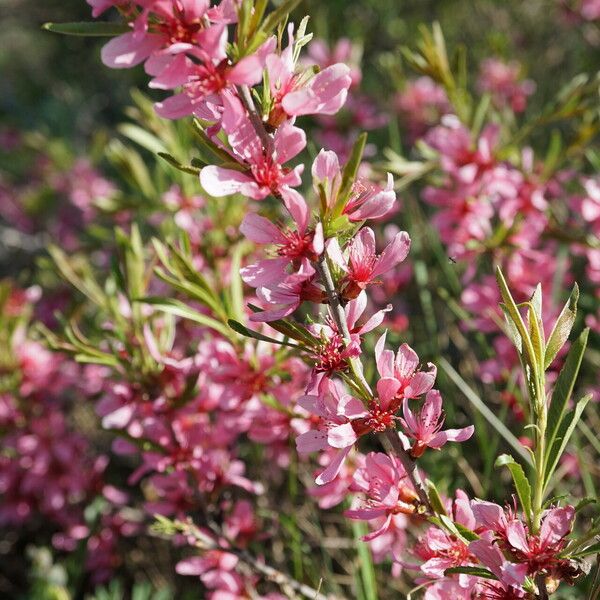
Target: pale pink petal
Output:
{"points": [[324, 94], [126, 50], [265, 272], [374, 534], [175, 107], [318, 243], [311, 441], [421, 382], [384, 358], [260, 230], [355, 308], [218, 182], [556, 524], [297, 208], [341, 436], [394, 253], [387, 388], [288, 142], [333, 468], [247, 71], [407, 361], [451, 435], [375, 320], [516, 536], [378, 205]]}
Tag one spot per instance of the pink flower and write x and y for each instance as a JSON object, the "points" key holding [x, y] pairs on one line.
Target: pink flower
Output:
{"points": [[292, 245], [296, 94], [344, 51], [262, 173], [364, 265], [488, 553], [336, 411], [384, 481], [284, 297], [401, 373], [501, 80], [367, 201], [425, 428]]}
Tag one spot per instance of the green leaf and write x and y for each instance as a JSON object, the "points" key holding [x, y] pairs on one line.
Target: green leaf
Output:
{"points": [[475, 571], [561, 439], [593, 549], [515, 316], [175, 163], [180, 309], [88, 28], [250, 333], [562, 327], [563, 388], [520, 480], [279, 15], [435, 499]]}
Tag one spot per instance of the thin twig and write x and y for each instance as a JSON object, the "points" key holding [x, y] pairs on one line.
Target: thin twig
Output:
{"points": [[257, 122], [281, 579], [339, 317]]}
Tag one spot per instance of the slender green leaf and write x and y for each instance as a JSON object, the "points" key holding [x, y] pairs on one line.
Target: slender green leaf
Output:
{"points": [[520, 480], [563, 388], [435, 499], [563, 435], [243, 330], [175, 163], [562, 327], [349, 173], [88, 28], [475, 571], [179, 309]]}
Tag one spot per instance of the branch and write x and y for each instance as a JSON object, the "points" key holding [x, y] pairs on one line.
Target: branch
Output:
{"points": [[205, 542], [339, 316], [259, 127]]}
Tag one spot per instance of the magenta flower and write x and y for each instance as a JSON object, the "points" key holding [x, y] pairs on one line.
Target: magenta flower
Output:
{"points": [[262, 173], [425, 428], [367, 201], [336, 411]]}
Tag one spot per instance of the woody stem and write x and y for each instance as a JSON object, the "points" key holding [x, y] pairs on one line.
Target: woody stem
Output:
{"points": [[356, 367]]}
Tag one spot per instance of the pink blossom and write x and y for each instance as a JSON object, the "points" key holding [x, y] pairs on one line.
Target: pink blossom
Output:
{"points": [[425, 428], [366, 201], [401, 373], [295, 95], [384, 482], [502, 81], [336, 411], [263, 173], [282, 298], [292, 245]]}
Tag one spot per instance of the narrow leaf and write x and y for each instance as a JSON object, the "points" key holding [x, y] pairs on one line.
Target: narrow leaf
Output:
{"points": [[563, 389], [563, 435], [562, 327], [88, 28], [474, 571], [520, 480], [243, 330], [179, 309]]}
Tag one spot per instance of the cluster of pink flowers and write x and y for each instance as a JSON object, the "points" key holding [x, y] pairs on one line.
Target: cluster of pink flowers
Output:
{"points": [[191, 406]]}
